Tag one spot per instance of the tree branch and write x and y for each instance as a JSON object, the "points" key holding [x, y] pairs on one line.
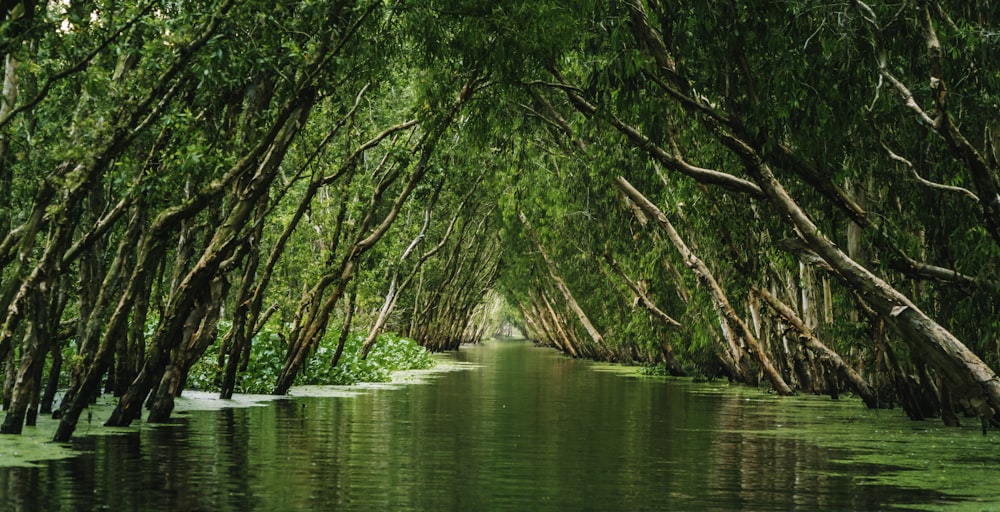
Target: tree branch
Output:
{"points": [[668, 159], [930, 184]]}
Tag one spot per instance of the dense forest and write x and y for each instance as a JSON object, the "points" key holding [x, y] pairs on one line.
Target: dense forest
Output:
{"points": [[799, 196]]}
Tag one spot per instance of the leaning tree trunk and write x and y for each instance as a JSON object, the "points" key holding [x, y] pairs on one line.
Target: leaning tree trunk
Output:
{"points": [[250, 315], [560, 285], [858, 383], [200, 331], [87, 386], [730, 318], [308, 335], [971, 381], [392, 297], [223, 251], [38, 297], [667, 348]]}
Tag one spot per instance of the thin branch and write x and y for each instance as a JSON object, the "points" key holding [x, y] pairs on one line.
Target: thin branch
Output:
{"points": [[911, 103], [984, 176], [668, 159], [917, 270], [930, 184], [82, 65], [637, 291]]}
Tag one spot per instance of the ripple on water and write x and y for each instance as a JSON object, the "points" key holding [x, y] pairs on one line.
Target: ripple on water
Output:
{"points": [[515, 427]]}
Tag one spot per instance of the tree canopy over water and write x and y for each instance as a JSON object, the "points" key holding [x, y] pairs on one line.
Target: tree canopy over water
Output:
{"points": [[800, 196]]}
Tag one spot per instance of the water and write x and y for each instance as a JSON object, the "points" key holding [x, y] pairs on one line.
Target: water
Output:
{"points": [[524, 429]]}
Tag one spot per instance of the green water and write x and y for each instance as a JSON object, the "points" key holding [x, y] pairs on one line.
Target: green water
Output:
{"points": [[522, 428]]}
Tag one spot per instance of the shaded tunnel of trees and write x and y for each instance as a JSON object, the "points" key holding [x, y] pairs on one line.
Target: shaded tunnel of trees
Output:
{"points": [[793, 195]]}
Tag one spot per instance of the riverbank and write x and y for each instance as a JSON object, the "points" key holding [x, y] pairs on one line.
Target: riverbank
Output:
{"points": [[34, 445], [525, 428]]}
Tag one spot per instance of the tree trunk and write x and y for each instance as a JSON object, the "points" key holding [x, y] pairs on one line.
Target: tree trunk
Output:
{"points": [[308, 334], [39, 296], [974, 383], [560, 285], [200, 331], [858, 383], [345, 329], [392, 297], [38, 339], [52, 383], [227, 245], [560, 332], [728, 315], [647, 303]]}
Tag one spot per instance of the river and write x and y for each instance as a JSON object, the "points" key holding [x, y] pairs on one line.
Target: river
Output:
{"points": [[515, 427]]}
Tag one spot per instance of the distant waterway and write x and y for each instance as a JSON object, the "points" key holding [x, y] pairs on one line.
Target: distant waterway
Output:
{"points": [[515, 427]]}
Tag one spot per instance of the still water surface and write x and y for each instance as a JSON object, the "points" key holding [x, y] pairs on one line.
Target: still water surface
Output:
{"points": [[522, 428]]}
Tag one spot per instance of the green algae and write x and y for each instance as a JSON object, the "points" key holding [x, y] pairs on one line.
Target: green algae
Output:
{"points": [[34, 445], [880, 447]]}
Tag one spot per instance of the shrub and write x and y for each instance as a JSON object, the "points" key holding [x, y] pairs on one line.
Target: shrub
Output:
{"points": [[391, 353]]}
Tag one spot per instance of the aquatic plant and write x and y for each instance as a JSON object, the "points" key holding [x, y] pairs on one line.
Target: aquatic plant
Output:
{"points": [[391, 353]]}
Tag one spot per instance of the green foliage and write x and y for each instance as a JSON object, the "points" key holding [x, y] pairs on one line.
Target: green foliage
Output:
{"points": [[654, 370], [391, 353], [116, 112]]}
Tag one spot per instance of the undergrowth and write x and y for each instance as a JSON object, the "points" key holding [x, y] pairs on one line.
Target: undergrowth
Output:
{"points": [[391, 353]]}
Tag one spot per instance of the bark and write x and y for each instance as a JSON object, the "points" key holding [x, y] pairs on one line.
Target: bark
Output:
{"points": [[130, 362], [87, 387], [391, 302], [52, 382], [392, 296], [970, 379], [8, 381], [985, 176], [808, 339], [668, 158], [462, 299], [150, 249], [557, 323], [966, 374], [641, 296], [531, 329], [24, 384], [8, 98], [345, 329], [305, 340], [246, 311], [564, 290], [82, 177], [307, 335], [226, 242], [22, 279], [200, 332], [45, 308], [240, 341], [444, 320], [730, 319], [92, 312], [38, 295]]}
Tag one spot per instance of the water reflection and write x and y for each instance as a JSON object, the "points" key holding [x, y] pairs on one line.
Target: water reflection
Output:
{"points": [[527, 430]]}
